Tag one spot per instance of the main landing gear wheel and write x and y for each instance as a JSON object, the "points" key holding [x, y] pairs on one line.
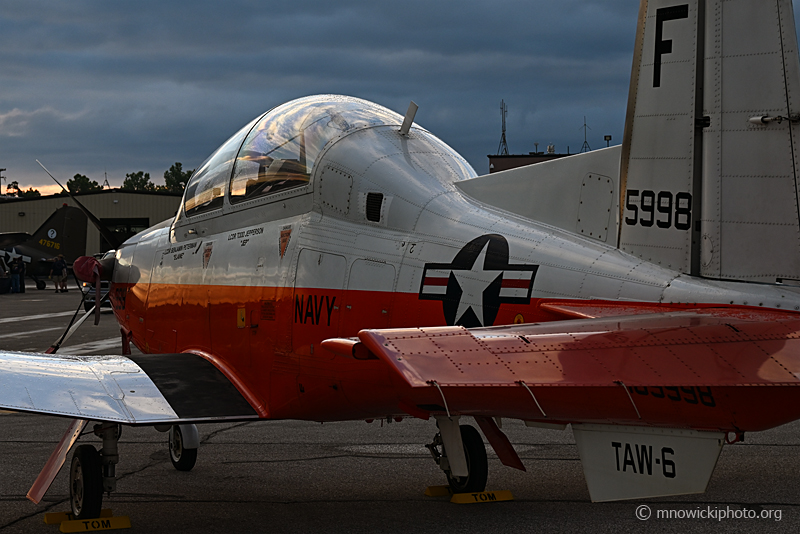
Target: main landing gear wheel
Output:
{"points": [[86, 483], [40, 284], [183, 459], [477, 464]]}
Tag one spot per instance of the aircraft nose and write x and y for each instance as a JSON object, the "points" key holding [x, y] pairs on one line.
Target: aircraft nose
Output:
{"points": [[87, 267]]}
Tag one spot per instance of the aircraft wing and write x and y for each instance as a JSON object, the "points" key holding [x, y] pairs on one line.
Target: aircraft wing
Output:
{"points": [[141, 389], [716, 368], [11, 239]]}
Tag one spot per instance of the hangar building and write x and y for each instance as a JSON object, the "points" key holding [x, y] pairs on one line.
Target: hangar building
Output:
{"points": [[124, 212]]}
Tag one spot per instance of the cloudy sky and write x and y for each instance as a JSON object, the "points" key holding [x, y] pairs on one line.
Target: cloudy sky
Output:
{"points": [[96, 86]]}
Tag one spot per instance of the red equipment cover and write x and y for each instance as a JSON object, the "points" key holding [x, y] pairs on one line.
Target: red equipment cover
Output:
{"points": [[85, 268]]}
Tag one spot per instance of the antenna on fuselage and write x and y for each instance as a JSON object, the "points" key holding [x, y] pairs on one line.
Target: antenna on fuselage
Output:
{"points": [[409, 119]]}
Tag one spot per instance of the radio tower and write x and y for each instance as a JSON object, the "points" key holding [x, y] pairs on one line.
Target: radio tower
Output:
{"points": [[585, 147], [502, 150]]}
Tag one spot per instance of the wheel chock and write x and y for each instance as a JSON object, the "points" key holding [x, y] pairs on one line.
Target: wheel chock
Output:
{"points": [[106, 521], [56, 518], [438, 491], [482, 497], [101, 523]]}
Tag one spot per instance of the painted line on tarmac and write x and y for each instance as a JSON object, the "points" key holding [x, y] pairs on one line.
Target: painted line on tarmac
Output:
{"points": [[94, 347], [34, 317], [29, 332]]}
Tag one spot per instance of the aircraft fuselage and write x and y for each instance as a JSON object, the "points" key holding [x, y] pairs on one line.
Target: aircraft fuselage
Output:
{"points": [[256, 286]]}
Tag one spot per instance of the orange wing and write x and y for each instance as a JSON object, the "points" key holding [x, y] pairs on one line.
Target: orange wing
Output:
{"points": [[730, 369]]}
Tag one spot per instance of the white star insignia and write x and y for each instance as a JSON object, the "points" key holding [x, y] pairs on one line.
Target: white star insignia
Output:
{"points": [[473, 283]]}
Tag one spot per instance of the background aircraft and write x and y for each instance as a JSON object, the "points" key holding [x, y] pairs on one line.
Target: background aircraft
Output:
{"points": [[64, 232], [334, 261]]}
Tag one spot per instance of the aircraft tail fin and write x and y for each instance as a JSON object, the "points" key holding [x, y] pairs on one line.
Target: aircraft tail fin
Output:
{"points": [[709, 179], [64, 232]]}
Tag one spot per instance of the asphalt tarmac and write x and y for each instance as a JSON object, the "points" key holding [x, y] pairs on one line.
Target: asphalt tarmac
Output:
{"points": [[353, 476]]}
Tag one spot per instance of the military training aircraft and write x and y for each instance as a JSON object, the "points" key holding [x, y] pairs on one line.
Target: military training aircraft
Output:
{"points": [[64, 232], [334, 261]]}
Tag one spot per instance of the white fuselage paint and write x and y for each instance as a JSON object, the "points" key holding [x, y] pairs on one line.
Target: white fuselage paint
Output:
{"points": [[428, 221]]}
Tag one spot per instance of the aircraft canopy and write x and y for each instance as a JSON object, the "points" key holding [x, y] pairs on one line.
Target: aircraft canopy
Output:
{"points": [[277, 151]]}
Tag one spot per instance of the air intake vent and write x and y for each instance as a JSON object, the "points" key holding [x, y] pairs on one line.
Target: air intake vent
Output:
{"points": [[374, 203]]}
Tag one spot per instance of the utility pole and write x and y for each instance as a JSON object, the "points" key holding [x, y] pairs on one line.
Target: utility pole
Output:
{"points": [[3, 178]]}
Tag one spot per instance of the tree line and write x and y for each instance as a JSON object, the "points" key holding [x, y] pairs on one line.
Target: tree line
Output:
{"points": [[175, 179], [13, 190]]}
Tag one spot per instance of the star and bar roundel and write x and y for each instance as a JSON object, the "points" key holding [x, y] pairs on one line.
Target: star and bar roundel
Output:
{"points": [[478, 280]]}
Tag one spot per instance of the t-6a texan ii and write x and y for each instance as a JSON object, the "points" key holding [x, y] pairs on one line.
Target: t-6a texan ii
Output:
{"points": [[335, 261]]}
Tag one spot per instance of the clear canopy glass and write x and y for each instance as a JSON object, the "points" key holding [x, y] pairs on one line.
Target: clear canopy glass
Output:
{"points": [[206, 189], [279, 153]]}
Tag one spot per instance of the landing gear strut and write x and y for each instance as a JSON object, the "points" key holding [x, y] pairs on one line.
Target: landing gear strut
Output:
{"points": [[93, 472], [473, 479]]}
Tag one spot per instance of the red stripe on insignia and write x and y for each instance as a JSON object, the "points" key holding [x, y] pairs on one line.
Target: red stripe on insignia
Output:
{"points": [[515, 283], [437, 281]]}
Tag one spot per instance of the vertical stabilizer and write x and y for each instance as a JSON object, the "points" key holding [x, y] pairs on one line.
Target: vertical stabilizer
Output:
{"points": [[709, 165], [659, 154], [64, 232]]}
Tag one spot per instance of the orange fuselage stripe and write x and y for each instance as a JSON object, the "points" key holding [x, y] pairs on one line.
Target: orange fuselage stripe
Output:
{"points": [[267, 341]]}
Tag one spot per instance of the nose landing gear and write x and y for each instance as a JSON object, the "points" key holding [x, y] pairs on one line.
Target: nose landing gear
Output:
{"points": [[93, 472], [183, 443], [85, 483]]}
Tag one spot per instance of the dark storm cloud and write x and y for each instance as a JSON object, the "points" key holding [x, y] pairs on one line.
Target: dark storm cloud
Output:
{"points": [[128, 86]]}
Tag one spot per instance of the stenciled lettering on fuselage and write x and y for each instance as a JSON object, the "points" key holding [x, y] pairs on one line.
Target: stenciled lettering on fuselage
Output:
{"points": [[177, 252], [657, 209], [477, 282], [119, 294], [314, 309], [664, 46]]}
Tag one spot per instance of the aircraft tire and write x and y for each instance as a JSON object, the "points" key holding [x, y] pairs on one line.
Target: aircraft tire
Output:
{"points": [[477, 463], [86, 483], [182, 459], [40, 284]]}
